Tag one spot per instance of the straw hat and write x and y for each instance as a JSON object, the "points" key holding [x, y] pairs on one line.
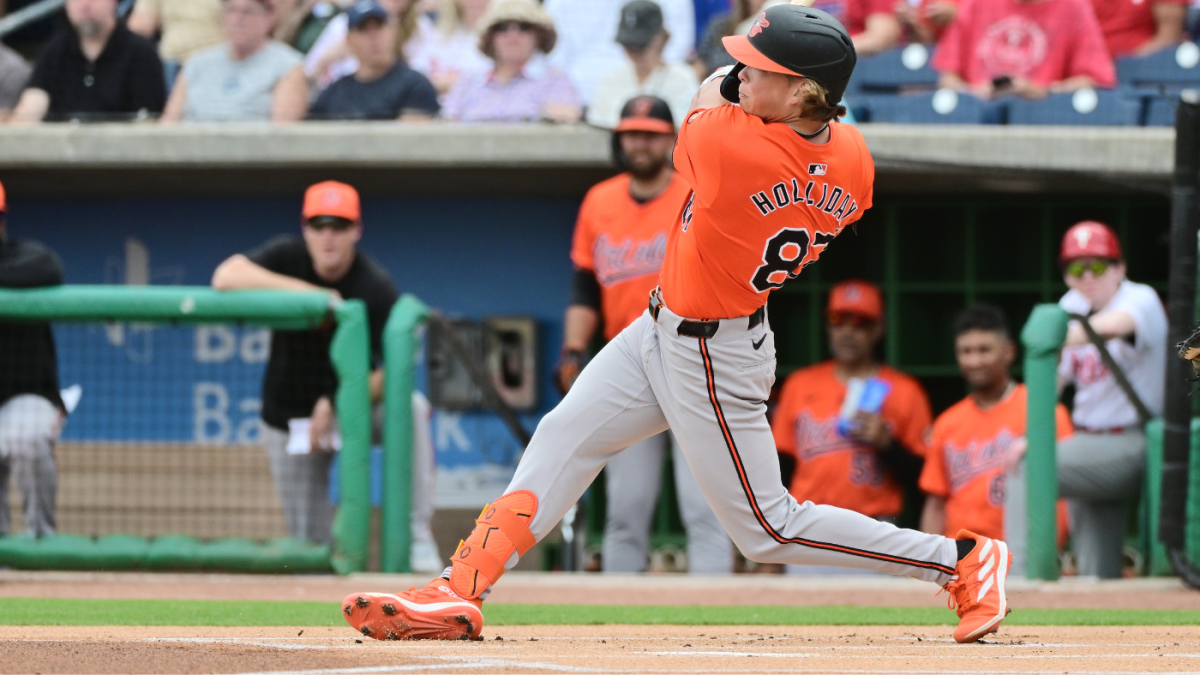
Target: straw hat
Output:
{"points": [[525, 11]]}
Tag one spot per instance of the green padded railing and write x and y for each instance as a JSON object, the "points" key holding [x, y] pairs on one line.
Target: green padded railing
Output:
{"points": [[1042, 337], [400, 346], [350, 354]]}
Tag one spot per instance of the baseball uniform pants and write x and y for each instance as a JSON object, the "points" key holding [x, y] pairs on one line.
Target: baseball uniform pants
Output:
{"points": [[1098, 474], [29, 426], [633, 482], [302, 483], [711, 392]]}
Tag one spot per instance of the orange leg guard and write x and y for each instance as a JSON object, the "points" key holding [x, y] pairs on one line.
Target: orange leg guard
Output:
{"points": [[501, 529]]}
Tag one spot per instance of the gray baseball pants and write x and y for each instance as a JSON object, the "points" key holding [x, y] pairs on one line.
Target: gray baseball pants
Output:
{"points": [[302, 483], [29, 427], [1098, 474], [712, 394], [633, 482]]}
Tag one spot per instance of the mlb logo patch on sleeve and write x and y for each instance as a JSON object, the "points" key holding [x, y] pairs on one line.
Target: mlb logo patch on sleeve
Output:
{"points": [[817, 169]]}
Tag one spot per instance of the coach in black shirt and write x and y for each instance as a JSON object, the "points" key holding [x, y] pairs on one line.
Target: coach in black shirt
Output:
{"points": [[94, 69], [31, 410], [300, 381]]}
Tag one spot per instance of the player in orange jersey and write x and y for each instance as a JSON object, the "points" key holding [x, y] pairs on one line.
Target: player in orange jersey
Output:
{"points": [[620, 240], [773, 181], [852, 463], [977, 439]]}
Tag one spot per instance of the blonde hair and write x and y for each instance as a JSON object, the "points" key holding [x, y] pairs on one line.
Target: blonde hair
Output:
{"points": [[814, 100]]}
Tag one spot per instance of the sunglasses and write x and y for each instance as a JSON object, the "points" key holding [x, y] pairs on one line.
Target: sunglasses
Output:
{"points": [[330, 222], [849, 319], [506, 26], [1076, 268]]}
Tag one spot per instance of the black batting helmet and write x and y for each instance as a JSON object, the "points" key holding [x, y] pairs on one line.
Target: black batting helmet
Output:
{"points": [[794, 40]]}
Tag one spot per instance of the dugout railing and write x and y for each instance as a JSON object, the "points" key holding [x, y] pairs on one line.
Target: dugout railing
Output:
{"points": [[140, 489]]}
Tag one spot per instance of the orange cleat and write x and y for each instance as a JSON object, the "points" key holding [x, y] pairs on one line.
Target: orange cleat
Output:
{"points": [[432, 613], [977, 588]]}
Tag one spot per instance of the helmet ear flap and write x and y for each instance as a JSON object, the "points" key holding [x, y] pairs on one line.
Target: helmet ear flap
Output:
{"points": [[729, 86]]}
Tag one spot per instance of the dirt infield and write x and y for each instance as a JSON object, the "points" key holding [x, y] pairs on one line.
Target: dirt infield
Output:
{"points": [[600, 649], [599, 590]]}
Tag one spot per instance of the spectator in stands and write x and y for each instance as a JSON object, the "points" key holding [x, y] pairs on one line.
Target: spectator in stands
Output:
{"points": [[1100, 468], [330, 58], [14, 73], [187, 26], [926, 20], [586, 50], [451, 51], [860, 463], [250, 78], [94, 67], [300, 381], [31, 409], [1030, 48], [644, 72], [976, 440], [383, 88], [1138, 27], [518, 87]]}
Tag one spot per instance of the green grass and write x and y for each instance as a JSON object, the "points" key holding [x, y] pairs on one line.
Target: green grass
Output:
{"points": [[68, 612]]}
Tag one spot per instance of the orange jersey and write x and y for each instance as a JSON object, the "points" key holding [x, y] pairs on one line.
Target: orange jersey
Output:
{"points": [[968, 448], [623, 243], [765, 203], [832, 469]]}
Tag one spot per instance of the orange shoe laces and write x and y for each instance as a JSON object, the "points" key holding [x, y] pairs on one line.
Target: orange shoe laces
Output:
{"points": [[960, 598]]}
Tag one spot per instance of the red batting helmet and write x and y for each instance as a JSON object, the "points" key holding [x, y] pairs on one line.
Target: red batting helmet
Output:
{"points": [[1090, 239]]}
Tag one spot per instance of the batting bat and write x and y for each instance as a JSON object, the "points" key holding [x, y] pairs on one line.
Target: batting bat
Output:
{"points": [[803, 3]]}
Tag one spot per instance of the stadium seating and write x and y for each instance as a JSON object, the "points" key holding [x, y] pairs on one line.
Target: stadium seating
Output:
{"points": [[1171, 69], [894, 71], [1160, 112], [940, 107], [1158, 79], [1086, 107]]}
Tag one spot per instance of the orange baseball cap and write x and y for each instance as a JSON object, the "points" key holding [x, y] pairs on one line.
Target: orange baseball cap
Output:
{"points": [[332, 198], [856, 296]]}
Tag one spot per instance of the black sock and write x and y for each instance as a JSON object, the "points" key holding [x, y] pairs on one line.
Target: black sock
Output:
{"points": [[965, 546]]}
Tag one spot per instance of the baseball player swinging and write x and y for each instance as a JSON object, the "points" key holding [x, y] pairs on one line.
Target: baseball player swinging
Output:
{"points": [[773, 181]]}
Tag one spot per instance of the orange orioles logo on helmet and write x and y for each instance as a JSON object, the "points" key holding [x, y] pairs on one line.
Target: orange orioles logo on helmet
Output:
{"points": [[641, 107], [759, 24]]}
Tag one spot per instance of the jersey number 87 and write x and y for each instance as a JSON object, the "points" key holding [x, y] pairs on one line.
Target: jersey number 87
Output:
{"points": [[783, 256]]}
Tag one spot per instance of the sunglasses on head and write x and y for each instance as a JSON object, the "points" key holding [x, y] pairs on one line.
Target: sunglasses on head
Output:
{"points": [[327, 222], [848, 319], [1076, 268]]}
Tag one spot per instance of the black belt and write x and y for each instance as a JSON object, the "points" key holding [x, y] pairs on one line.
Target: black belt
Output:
{"points": [[701, 329]]}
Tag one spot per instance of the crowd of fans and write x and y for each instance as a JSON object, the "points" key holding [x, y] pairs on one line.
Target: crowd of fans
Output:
{"points": [[520, 60]]}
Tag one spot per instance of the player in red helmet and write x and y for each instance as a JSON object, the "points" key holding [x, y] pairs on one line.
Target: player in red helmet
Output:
{"points": [[1101, 466]]}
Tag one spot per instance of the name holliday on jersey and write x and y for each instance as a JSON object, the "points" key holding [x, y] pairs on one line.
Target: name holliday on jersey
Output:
{"points": [[832, 200]]}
